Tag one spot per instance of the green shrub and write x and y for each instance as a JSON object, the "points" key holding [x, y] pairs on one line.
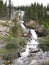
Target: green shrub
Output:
{"points": [[44, 43], [13, 46], [9, 55], [15, 43], [15, 30], [4, 24]]}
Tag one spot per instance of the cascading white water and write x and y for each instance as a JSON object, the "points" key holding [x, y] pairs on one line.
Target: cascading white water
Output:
{"points": [[33, 33], [23, 27], [32, 44], [26, 53]]}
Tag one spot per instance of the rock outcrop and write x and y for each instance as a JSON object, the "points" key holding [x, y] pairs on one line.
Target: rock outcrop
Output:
{"points": [[40, 29]]}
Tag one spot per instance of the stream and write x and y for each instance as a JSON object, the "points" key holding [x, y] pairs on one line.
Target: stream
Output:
{"points": [[28, 57]]}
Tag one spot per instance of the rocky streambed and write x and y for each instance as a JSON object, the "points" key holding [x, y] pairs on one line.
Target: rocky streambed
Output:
{"points": [[34, 59]]}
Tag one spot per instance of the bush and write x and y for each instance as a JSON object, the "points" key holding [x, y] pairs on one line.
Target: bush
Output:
{"points": [[15, 30], [9, 55], [13, 47], [44, 43], [4, 24], [15, 43]]}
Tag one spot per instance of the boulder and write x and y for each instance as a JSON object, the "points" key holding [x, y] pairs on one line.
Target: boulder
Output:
{"points": [[31, 24]]}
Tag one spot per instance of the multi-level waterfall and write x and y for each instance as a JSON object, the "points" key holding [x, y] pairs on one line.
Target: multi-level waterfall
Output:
{"points": [[29, 57], [32, 44]]}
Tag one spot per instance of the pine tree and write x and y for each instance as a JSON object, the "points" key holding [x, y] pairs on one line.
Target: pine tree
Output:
{"points": [[9, 9]]}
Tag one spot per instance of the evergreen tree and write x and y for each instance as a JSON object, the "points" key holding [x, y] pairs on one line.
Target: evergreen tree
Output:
{"points": [[1, 8], [48, 7], [9, 9]]}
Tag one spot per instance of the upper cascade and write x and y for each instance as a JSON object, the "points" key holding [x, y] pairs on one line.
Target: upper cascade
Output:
{"points": [[22, 25], [33, 33]]}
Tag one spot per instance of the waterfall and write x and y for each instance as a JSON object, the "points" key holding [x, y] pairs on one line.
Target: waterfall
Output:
{"points": [[33, 33], [29, 57], [22, 25], [32, 44]]}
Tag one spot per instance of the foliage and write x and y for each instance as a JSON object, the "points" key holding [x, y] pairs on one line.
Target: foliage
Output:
{"points": [[48, 7], [2, 51], [44, 43], [13, 46], [3, 9], [4, 24], [15, 43], [47, 63], [9, 9], [36, 12], [15, 30], [9, 55]]}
